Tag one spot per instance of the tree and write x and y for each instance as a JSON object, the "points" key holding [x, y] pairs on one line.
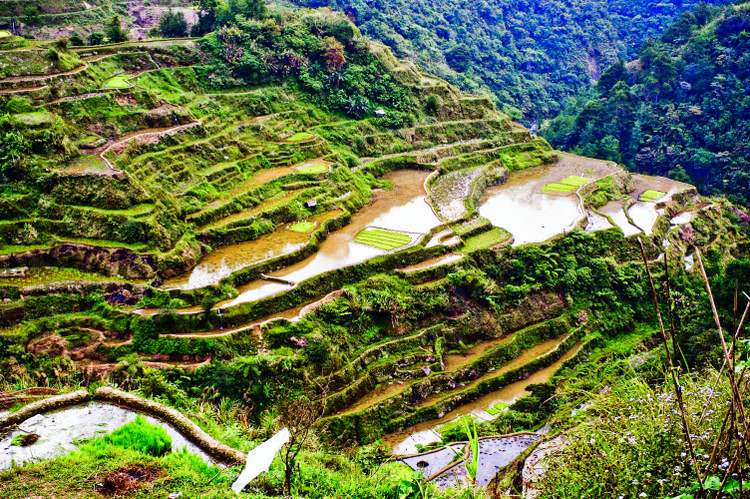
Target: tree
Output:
{"points": [[298, 416], [97, 38], [334, 54], [114, 31], [75, 39], [173, 25]]}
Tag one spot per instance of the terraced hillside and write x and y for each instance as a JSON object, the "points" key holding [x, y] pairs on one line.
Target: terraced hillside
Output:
{"points": [[179, 222], [52, 19]]}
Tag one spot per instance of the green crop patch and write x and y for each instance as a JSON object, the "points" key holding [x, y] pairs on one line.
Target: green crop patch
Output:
{"points": [[36, 118], [5, 34], [485, 240], [302, 227], [566, 185], [117, 82], [301, 137], [313, 168], [383, 239], [652, 195]]}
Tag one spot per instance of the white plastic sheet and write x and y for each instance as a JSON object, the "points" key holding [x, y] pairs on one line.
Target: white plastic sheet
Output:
{"points": [[259, 459]]}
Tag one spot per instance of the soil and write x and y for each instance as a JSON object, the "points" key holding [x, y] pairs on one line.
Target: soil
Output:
{"points": [[125, 480]]}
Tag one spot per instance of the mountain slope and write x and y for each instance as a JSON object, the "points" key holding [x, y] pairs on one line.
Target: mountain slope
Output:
{"points": [[682, 108], [530, 54]]}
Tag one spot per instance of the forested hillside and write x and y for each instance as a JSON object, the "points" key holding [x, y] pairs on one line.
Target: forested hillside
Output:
{"points": [[530, 54], [682, 108]]}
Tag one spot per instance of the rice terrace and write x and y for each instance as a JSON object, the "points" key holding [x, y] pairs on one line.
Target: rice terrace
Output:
{"points": [[248, 249]]}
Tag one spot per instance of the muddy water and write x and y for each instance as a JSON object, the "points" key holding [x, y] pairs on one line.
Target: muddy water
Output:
{"points": [[227, 259], [683, 218], [520, 207], [403, 443], [597, 222], [614, 210], [403, 208], [59, 430], [525, 357], [456, 361]]}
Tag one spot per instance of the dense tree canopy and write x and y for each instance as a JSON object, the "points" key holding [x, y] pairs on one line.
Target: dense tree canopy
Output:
{"points": [[530, 54], [682, 108]]}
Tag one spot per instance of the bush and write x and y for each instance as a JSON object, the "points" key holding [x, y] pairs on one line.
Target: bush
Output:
{"points": [[173, 25], [142, 436]]}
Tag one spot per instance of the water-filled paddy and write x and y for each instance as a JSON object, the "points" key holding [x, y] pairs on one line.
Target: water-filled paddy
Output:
{"points": [[522, 207], [403, 208], [222, 262], [59, 430], [404, 442]]}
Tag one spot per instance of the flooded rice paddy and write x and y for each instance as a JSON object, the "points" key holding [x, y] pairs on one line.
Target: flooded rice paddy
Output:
{"points": [[60, 431], [405, 442], [522, 208], [404, 208], [221, 262]]}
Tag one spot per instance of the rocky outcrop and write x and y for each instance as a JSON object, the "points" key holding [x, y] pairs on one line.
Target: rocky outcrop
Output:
{"points": [[534, 467]]}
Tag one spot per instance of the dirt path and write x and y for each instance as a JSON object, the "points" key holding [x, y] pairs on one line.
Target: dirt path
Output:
{"points": [[151, 132]]}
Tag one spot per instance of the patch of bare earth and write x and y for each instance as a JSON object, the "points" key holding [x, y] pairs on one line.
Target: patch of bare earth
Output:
{"points": [[126, 480]]}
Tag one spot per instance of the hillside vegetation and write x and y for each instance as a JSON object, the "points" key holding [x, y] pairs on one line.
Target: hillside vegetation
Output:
{"points": [[281, 224], [531, 55], [679, 109]]}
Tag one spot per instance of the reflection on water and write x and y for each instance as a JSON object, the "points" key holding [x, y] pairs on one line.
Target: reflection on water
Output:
{"points": [[59, 432], [403, 208], [644, 215], [615, 211], [220, 263], [520, 207]]}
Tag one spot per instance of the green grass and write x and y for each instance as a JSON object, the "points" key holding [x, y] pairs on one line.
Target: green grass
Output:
{"points": [[302, 227], [566, 185], [652, 195], [35, 118], [141, 436], [485, 240], [301, 137], [383, 239], [498, 408], [117, 82], [5, 34], [313, 169]]}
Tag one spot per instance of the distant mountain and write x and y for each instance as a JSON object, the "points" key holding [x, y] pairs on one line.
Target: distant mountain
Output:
{"points": [[682, 108], [531, 54]]}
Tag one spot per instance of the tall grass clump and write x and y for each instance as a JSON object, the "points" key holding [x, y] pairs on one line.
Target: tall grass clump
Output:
{"points": [[142, 436]]}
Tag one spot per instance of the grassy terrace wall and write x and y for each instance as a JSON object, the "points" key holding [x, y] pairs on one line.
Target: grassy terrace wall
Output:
{"points": [[397, 413], [303, 292]]}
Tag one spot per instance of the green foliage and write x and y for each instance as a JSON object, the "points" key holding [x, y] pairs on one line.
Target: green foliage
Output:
{"points": [[253, 52], [173, 25], [141, 436], [532, 56], [680, 111]]}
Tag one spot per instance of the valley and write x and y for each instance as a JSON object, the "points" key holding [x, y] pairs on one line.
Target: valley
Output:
{"points": [[280, 224]]}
